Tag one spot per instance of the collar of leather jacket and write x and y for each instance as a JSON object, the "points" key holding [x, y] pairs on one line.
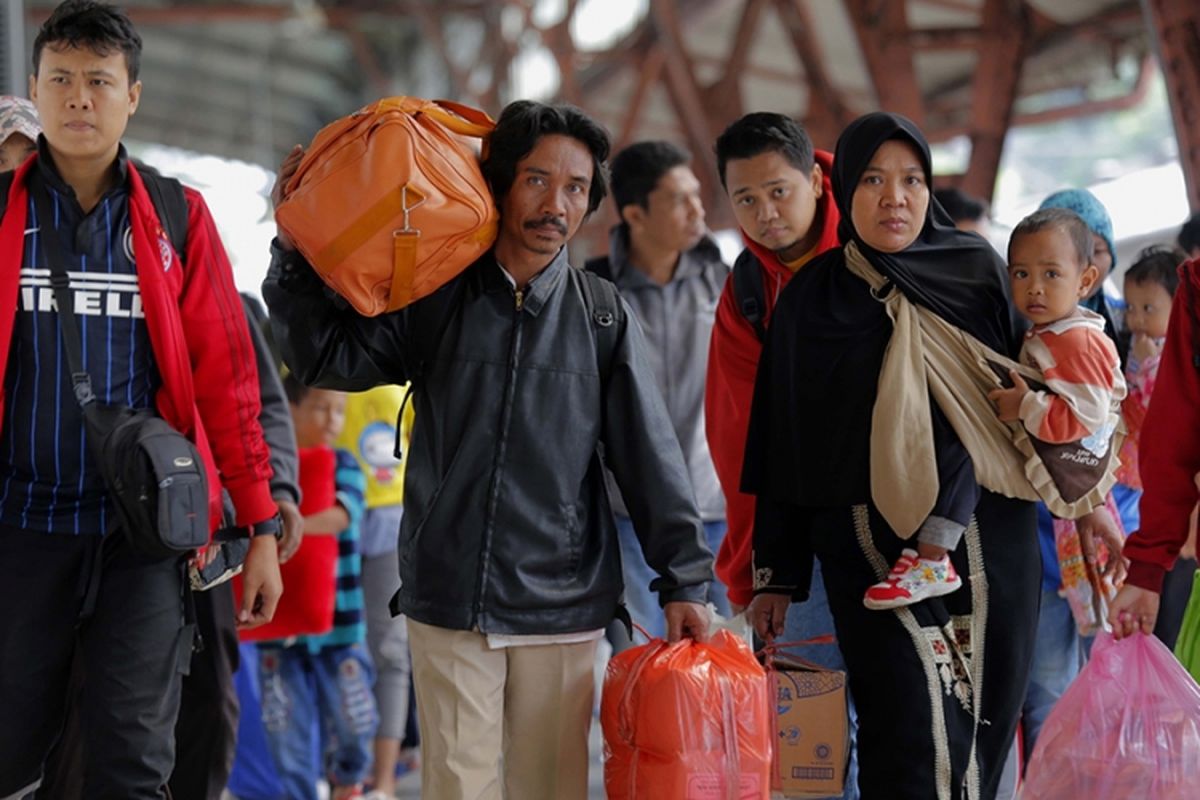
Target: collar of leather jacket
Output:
{"points": [[539, 289]]}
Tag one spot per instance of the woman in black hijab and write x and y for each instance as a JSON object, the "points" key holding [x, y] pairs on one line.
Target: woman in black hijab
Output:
{"points": [[938, 685]]}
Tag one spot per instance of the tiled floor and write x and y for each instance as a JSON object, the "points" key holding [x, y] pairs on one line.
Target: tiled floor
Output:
{"points": [[409, 787]]}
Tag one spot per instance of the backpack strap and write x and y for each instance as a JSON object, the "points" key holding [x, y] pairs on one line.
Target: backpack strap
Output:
{"points": [[600, 266], [600, 296], [170, 203], [6, 179], [749, 292]]}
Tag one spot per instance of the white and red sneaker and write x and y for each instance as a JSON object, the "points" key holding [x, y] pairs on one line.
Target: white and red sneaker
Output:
{"points": [[912, 580]]}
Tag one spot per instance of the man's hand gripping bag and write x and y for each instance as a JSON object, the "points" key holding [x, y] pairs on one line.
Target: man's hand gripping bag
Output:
{"points": [[389, 204], [1127, 728], [687, 721]]}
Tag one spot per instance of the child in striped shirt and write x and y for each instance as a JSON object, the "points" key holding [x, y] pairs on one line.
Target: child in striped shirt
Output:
{"points": [[322, 684], [1050, 271]]}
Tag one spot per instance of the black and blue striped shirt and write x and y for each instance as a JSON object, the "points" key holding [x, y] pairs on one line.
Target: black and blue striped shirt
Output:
{"points": [[48, 480]]}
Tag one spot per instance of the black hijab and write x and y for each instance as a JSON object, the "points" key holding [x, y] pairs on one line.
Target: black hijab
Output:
{"points": [[809, 436], [955, 274]]}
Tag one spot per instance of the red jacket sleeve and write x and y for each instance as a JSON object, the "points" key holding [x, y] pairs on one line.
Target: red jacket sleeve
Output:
{"points": [[732, 363], [1169, 450], [224, 368]]}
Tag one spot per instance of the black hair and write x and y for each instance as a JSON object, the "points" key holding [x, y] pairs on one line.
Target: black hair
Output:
{"points": [[294, 389], [1189, 235], [765, 132], [961, 206], [1157, 264], [522, 124], [1062, 219], [637, 169], [96, 26]]}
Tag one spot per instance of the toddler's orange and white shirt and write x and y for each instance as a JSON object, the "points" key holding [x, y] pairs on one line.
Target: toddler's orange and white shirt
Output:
{"points": [[1083, 373]]}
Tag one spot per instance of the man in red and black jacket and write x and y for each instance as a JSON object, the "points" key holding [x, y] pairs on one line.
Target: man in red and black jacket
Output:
{"points": [[1170, 464], [782, 199], [158, 330]]}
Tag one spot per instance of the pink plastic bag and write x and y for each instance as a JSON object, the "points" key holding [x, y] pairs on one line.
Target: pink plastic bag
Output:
{"points": [[1127, 728]]}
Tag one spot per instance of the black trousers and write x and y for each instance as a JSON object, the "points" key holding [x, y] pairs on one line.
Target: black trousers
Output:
{"points": [[206, 731], [125, 616], [938, 685], [1176, 591], [206, 734]]}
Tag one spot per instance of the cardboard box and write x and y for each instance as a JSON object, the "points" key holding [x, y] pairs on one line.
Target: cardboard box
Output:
{"points": [[812, 741]]}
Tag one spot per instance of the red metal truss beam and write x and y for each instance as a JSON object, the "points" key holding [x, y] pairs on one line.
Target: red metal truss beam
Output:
{"points": [[1134, 97], [882, 29], [997, 76], [1176, 25], [562, 46], [651, 68], [431, 27], [690, 109], [827, 113], [727, 91], [951, 5], [367, 58], [1098, 25], [946, 38]]}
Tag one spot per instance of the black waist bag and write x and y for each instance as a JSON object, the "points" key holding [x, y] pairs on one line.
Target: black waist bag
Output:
{"points": [[155, 477]]}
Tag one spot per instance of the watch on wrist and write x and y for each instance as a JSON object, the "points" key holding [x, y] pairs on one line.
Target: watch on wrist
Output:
{"points": [[272, 526]]}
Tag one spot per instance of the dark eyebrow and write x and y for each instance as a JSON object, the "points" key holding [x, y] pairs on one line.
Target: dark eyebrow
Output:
{"points": [[765, 185]]}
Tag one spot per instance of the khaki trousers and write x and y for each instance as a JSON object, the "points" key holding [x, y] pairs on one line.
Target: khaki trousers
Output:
{"points": [[509, 723]]}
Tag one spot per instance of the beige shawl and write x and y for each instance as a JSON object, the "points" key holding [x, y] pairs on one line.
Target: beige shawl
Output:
{"points": [[928, 356]]}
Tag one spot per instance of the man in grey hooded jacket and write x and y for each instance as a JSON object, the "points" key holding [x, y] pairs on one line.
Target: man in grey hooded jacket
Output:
{"points": [[668, 268]]}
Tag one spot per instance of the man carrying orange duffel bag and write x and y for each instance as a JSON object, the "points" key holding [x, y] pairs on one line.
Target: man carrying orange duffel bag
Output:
{"points": [[389, 203], [524, 371]]}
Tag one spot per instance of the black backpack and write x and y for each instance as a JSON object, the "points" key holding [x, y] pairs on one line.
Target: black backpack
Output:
{"points": [[166, 194], [749, 292]]}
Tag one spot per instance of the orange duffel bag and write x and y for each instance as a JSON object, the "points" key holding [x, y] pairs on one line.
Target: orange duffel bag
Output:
{"points": [[687, 721], [388, 204]]}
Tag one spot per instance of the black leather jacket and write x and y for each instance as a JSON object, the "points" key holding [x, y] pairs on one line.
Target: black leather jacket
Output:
{"points": [[507, 527]]}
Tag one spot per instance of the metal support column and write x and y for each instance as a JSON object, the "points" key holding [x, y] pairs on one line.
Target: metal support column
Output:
{"points": [[1176, 28], [14, 73]]}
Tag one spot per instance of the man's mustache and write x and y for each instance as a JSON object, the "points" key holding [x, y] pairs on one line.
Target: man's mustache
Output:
{"points": [[557, 223]]}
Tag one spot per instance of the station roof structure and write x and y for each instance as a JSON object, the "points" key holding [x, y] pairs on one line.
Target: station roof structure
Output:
{"points": [[249, 79]]}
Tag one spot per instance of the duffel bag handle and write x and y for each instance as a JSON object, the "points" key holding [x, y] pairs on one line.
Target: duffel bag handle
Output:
{"points": [[468, 122], [455, 117]]}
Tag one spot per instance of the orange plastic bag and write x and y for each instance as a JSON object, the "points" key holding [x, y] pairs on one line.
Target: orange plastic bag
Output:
{"points": [[687, 721]]}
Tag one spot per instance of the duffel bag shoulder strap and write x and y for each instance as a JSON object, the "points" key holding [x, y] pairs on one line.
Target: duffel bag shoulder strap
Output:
{"points": [[463, 120]]}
